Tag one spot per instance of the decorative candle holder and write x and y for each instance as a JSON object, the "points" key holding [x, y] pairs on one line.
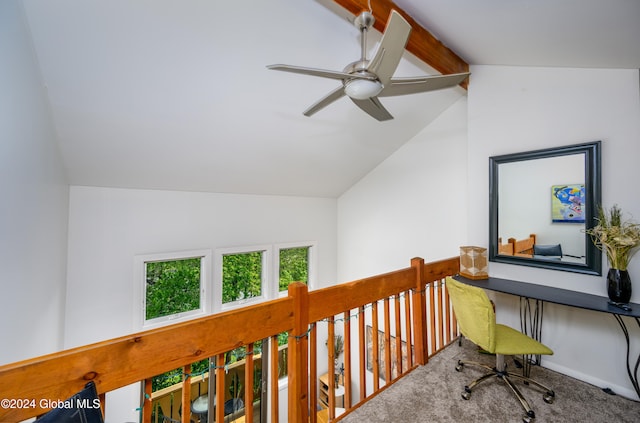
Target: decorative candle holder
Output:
{"points": [[474, 263]]}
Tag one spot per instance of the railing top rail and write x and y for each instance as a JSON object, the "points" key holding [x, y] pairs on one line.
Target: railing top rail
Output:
{"points": [[439, 269], [347, 296], [121, 361]]}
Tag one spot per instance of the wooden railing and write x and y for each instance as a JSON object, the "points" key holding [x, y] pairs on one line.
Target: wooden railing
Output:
{"points": [[408, 312]]}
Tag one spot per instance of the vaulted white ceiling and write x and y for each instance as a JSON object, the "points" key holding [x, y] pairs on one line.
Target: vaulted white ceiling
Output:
{"points": [[174, 94]]}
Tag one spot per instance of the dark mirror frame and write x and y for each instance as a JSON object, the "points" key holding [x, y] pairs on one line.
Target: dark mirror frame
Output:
{"points": [[591, 151]]}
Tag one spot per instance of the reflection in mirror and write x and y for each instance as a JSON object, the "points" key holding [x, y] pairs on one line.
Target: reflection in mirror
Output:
{"points": [[525, 203], [541, 203]]}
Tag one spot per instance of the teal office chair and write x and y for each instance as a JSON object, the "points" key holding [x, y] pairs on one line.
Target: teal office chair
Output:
{"points": [[477, 321]]}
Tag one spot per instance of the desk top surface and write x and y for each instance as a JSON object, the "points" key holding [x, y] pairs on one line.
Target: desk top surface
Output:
{"points": [[552, 295]]}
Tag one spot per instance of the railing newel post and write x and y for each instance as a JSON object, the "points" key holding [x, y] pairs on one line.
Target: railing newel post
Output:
{"points": [[298, 346]]}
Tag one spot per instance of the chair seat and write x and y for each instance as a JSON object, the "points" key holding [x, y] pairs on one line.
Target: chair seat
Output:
{"points": [[512, 342]]}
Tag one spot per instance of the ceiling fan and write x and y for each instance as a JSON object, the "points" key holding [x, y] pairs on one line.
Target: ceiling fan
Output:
{"points": [[363, 81]]}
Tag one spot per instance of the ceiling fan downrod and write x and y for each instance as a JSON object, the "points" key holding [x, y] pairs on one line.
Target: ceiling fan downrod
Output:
{"points": [[363, 22]]}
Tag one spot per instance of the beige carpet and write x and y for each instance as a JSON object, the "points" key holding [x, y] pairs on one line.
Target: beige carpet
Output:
{"points": [[432, 393]]}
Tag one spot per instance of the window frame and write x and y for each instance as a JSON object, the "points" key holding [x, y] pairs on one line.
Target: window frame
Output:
{"points": [[140, 293], [311, 261], [266, 250]]}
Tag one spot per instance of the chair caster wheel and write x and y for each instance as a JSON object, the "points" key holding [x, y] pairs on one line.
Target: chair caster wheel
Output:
{"points": [[529, 417], [549, 397], [459, 366]]}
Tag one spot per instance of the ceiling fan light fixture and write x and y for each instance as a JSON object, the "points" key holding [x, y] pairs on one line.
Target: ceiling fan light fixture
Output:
{"points": [[362, 89]]}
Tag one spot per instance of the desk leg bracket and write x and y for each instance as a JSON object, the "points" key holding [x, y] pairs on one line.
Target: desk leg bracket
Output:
{"points": [[531, 325], [633, 375]]}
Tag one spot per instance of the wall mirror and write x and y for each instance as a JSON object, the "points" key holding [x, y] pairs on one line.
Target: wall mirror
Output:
{"points": [[540, 203]]}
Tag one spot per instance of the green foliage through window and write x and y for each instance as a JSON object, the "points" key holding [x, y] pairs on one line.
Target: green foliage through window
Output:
{"points": [[241, 276], [172, 287], [175, 376], [294, 266]]}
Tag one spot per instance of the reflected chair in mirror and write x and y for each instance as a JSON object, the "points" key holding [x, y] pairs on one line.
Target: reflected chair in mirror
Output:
{"points": [[477, 322], [523, 247], [505, 249], [548, 252]]}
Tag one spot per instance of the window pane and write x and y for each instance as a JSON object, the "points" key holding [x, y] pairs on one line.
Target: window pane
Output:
{"points": [[294, 266], [241, 276], [172, 287]]}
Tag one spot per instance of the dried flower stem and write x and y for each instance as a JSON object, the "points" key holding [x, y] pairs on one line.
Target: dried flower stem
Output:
{"points": [[619, 239]]}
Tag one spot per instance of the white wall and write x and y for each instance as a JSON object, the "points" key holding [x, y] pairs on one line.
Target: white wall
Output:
{"points": [[108, 227], [33, 209], [413, 205], [514, 109]]}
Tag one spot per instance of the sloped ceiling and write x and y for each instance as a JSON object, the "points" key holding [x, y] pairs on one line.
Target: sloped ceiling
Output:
{"points": [[169, 94]]}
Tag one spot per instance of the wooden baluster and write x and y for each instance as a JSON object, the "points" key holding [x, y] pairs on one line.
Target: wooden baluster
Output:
{"points": [[432, 317], [248, 383], [441, 323], [220, 382], [408, 325], [274, 374], [419, 313], [363, 354], [387, 342], [454, 321], [313, 371], [146, 401], [331, 368], [398, 324], [447, 309], [346, 357], [186, 394], [375, 347]]}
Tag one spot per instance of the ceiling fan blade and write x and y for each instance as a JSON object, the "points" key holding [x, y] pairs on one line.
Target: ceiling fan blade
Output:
{"points": [[325, 101], [374, 108], [391, 48], [318, 72], [402, 86]]}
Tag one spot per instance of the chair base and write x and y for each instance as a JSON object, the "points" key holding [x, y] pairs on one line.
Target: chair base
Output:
{"points": [[501, 373]]}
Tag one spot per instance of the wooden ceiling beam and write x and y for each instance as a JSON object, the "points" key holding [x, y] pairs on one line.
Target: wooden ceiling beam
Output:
{"points": [[421, 44]]}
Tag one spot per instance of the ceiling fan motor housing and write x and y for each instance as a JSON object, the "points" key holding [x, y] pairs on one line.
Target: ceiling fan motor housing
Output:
{"points": [[364, 20]]}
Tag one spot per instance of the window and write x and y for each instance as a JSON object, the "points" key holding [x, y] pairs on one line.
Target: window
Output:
{"points": [[293, 266], [249, 274], [242, 276], [173, 286]]}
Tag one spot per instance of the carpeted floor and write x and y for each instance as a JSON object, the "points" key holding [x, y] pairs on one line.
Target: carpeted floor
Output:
{"points": [[432, 393]]}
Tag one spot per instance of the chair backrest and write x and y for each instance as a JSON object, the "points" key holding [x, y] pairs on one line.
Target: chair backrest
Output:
{"points": [[548, 250], [474, 312]]}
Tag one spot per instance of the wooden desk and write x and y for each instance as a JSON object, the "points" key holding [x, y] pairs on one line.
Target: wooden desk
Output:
{"points": [[541, 294]]}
